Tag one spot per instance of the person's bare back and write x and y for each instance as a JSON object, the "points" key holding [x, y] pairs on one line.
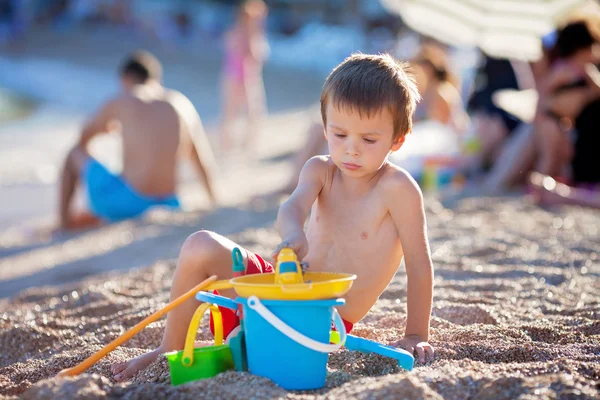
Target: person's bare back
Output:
{"points": [[151, 135]]}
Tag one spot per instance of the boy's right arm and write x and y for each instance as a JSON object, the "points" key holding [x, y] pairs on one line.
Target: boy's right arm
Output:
{"points": [[293, 213]]}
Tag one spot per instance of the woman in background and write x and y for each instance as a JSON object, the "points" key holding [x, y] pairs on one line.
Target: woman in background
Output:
{"points": [[572, 100], [494, 126], [567, 88], [562, 142]]}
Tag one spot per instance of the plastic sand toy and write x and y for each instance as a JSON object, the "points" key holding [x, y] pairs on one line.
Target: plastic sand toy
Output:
{"points": [[286, 341], [191, 363], [236, 339]]}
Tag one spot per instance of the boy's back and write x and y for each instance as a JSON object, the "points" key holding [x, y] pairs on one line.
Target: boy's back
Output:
{"points": [[153, 122], [150, 129]]}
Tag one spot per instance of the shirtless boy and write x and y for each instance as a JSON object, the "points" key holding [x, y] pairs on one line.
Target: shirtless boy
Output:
{"points": [[365, 213], [155, 125]]}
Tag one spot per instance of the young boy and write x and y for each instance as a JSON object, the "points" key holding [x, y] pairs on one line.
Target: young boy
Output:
{"points": [[366, 213]]}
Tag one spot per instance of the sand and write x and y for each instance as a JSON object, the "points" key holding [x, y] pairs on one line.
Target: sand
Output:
{"points": [[516, 314]]}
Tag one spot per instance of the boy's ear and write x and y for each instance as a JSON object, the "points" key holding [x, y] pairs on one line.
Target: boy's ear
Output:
{"points": [[325, 133], [398, 143]]}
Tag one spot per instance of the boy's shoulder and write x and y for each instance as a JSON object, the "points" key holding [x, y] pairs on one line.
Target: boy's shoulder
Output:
{"points": [[395, 182], [317, 169], [319, 164]]}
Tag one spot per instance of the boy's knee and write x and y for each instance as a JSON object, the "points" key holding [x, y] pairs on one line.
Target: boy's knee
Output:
{"points": [[199, 246]]}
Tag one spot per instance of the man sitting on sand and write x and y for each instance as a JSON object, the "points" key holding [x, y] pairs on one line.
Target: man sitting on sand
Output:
{"points": [[156, 124], [366, 212]]}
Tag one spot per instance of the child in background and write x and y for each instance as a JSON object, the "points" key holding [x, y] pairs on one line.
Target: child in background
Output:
{"points": [[246, 51]]}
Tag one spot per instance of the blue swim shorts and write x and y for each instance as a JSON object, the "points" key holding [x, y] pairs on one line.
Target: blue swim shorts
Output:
{"points": [[113, 199]]}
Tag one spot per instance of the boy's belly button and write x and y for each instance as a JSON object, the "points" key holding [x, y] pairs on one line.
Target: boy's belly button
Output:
{"points": [[364, 236]]}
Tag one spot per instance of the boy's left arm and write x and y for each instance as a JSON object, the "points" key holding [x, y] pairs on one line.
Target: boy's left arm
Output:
{"points": [[405, 204]]}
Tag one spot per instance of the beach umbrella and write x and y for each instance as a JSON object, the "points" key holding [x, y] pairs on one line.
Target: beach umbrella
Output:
{"points": [[500, 28]]}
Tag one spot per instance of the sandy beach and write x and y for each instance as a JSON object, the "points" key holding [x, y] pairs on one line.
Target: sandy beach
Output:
{"points": [[516, 308]]}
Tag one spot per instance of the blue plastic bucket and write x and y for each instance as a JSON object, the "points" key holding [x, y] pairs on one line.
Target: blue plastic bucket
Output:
{"points": [[288, 341]]}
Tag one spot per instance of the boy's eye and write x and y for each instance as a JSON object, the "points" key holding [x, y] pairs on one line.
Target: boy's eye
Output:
{"points": [[340, 135], [370, 141]]}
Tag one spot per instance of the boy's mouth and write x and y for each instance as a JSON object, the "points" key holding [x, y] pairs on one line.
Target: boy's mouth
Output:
{"points": [[351, 166]]}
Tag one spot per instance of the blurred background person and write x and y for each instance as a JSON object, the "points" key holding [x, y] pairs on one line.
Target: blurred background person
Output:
{"points": [[155, 125], [246, 50], [561, 139], [565, 91], [568, 170], [492, 125], [441, 101]]}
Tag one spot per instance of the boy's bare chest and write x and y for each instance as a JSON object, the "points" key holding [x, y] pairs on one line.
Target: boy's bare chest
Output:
{"points": [[351, 218], [346, 234]]}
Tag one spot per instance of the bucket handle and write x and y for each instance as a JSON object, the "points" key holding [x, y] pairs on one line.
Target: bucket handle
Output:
{"points": [[255, 304], [188, 351]]}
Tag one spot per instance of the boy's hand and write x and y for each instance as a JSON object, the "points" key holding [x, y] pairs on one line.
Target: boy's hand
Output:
{"points": [[296, 242], [414, 343]]}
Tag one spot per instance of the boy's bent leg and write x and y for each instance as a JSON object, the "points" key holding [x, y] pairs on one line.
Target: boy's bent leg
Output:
{"points": [[203, 254]]}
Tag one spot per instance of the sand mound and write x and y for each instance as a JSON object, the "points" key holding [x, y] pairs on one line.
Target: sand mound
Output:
{"points": [[516, 315]]}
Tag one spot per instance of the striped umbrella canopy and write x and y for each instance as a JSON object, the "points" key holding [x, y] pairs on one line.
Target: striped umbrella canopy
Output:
{"points": [[500, 28]]}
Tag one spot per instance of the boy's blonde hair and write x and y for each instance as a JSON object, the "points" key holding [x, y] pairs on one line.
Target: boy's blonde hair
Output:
{"points": [[370, 83]]}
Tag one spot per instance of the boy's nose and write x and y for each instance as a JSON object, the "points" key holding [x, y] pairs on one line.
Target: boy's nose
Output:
{"points": [[351, 148]]}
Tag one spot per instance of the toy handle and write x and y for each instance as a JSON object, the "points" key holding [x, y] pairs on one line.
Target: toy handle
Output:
{"points": [[237, 262], [255, 304], [188, 351], [222, 301], [287, 255]]}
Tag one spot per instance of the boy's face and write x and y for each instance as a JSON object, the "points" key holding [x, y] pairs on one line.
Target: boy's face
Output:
{"points": [[359, 145]]}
